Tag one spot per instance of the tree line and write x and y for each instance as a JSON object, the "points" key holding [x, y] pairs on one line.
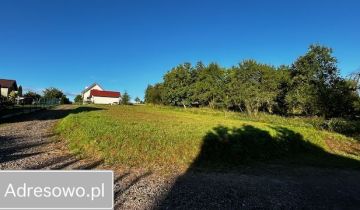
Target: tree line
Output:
{"points": [[47, 94], [310, 86], [31, 97]]}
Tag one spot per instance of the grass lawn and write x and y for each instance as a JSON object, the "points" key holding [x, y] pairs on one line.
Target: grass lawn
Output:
{"points": [[160, 137]]}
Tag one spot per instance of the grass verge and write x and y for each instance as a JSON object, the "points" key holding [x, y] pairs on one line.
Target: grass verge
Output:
{"points": [[170, 138]]}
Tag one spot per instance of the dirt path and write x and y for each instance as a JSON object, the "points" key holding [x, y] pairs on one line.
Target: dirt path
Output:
{"points": [[28, 143]]}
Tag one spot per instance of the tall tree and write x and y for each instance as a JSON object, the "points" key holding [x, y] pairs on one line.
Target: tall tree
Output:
{"points": [[50, 93], [54, 93], [137, 100], [252, 85], [177, 84], [354, 81], [154, 94], [355, 78], [281, 106], [12, 96], [33, 95], [208, 86], [314, 78], [20, 91], [78, 99], [64, 100], [125, 99]]}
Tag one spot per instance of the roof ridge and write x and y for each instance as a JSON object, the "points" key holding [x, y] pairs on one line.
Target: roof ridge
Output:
{"points": [[92, 85]]}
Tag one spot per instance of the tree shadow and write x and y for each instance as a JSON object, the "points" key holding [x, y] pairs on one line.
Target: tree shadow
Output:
{"points": [[121, 186], [247, 168], [49, 114], [14, 149], [232, 147]]}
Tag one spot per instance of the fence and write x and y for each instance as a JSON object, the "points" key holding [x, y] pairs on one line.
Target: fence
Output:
{"points": [[11, 109]]}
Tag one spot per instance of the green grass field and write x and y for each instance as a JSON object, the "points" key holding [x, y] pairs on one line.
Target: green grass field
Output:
{"points": [[159, 137]]}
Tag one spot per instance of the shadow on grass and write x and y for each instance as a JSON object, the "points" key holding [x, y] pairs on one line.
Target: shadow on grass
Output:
{"points": [[218, 186], [231, 147], [50, 114]]}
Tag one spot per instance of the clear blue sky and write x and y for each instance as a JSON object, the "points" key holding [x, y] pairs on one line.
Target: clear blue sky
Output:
{"points": [[127, 44]]}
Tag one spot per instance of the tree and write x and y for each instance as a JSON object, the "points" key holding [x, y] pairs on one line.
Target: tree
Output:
{"points": [[208, 86], [64, 100], [354, 81], [51, 93], [154, 94], [125, 99], [310, 86], [78, 99], [281, 106], [32, 95], [344, 99], [20, 91], [137, 100], [54, 93], [355, 78], [12, 96], [253, 85], [176, 85], [314, 79]]}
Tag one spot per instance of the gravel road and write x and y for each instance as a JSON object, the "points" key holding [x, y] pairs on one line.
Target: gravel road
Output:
{"points": [[28, 143]]}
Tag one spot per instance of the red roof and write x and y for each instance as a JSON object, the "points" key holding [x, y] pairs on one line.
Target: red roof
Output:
{"points": [[104, 93]]}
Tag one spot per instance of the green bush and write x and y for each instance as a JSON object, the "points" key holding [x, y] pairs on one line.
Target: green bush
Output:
{"points": [[316, 122], [343, 126]]}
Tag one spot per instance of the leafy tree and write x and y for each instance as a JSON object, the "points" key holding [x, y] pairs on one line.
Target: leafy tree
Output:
{"points": [[252, 85], [125, 99], [314, 79], [176, 85], [54, 93], [78, 99], [32, 95], [355, 78], [64, 100], [281, 106], [208, 87], [12, 96], [354, 81], [310, 86], [51, 93], [137, 100], [20, 91], [153, 94], [149, 94]]}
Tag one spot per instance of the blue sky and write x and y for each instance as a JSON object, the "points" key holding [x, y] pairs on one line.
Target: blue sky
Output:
{"points": [[127, 44]]}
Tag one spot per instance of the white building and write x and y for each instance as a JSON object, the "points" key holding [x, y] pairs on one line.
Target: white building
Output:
{"points": [[97, 95], [6, 86]]}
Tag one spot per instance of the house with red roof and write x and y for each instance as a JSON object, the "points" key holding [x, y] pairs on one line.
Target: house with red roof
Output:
{"points": [[95, 94]]}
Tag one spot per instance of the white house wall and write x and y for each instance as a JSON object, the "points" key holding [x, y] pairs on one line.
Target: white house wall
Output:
{"points": [[87, 93], [4, 92], [104, 100]]}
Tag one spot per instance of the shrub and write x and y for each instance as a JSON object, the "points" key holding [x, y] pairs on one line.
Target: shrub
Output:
{"points": [[343, 126]]}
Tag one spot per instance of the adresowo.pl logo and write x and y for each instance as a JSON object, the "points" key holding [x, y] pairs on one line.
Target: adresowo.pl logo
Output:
{"points": [[25, 191], [56, 189]]}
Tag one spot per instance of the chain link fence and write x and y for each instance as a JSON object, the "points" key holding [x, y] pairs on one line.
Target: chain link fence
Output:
{"points": [[8, 109]]}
